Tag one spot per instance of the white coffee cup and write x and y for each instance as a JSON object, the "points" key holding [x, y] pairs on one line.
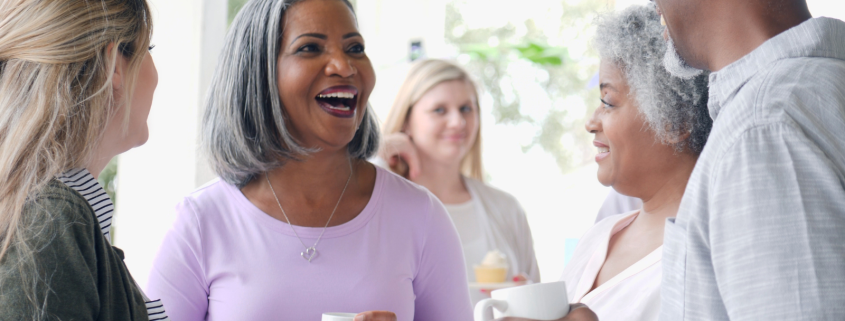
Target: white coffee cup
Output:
{"points": [[540, 301], [334, 316]]}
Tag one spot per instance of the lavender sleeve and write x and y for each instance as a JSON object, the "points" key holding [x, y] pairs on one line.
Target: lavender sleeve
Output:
{"points": [[441, 285], [177, 275]]}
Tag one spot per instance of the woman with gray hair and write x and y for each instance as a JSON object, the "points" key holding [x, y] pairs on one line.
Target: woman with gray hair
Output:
{"points": [[649, 130], [300, 224]]}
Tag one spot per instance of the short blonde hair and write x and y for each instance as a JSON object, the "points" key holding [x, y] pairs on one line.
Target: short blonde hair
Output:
{"points": [[423, 76]]}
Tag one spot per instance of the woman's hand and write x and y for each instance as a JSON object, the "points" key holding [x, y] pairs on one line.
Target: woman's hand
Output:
{"points": [[577, 312], [375, 316], [399, 152]]}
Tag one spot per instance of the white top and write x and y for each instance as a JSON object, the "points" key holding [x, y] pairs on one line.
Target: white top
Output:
{"points": [[632, 295], [467, 220], [504, 227]]}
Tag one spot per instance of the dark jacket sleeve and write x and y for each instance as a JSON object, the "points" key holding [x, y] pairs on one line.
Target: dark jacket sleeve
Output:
{"points": [[60, 231]]}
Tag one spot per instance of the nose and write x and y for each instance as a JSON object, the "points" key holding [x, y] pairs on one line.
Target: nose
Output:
{"points": [[340, 65], [594, 123], [456, 120]]}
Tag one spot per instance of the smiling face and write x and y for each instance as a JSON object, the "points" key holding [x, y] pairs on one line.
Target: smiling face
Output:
{"points": [[443, 123], [629, 153], [324, 76]]}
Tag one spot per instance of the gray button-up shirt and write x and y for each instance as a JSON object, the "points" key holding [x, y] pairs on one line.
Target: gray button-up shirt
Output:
{"points": [[760, 234]]}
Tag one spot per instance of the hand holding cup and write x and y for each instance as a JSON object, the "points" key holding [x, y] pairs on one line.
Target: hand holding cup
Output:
{"points": [[364, 316], [577, 312]]}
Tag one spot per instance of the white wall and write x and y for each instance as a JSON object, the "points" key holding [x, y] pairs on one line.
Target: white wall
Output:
{"points": [[151, 179], [827, 8], [388, 27]]}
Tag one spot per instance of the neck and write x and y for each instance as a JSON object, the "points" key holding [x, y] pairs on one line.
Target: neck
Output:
{"points": [[98, 163], [316, 175], [443, 180], [665, 200], [745, 25]]}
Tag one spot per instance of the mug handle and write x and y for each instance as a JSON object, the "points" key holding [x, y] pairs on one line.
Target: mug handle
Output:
{"points": [[483, 305]]}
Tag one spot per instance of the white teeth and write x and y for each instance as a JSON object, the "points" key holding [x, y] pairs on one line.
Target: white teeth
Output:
{"points": [[344, 108], [344, 95], [604, 149]]}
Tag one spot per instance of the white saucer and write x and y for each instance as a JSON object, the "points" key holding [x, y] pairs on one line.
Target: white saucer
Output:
{"points": [[492, 286]]}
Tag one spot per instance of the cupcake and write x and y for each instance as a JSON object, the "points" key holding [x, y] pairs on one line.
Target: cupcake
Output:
{"points": [[493, 269]]}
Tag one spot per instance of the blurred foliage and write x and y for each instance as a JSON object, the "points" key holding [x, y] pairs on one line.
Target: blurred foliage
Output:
{"points": [[234, 7], [107, 179], [493, 51]]}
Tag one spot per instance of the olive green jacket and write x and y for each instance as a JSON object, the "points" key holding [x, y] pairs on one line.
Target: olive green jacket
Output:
{"points": [[80, 276]]}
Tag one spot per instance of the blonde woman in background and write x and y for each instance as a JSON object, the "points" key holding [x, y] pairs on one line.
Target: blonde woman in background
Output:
{"points": [[76, 85], [432, 137]]}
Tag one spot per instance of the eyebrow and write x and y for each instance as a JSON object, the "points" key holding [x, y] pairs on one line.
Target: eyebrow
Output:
{"points": [[604, 85], [324, 37], [312, 35]]}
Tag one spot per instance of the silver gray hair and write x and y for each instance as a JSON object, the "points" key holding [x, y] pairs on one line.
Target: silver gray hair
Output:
{"points": [[672, 106], [243, 130]]}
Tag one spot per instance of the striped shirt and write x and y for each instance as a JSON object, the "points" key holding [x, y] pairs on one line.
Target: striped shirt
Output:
{"points": [[86, 185], [760, 231]]}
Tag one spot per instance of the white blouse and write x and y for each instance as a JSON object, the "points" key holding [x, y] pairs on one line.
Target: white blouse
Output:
{"points": [[632, 295], [504, 227]]}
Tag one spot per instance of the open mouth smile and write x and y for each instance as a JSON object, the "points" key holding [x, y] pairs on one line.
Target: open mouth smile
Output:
{"points": [[603, 150], [338, 101]]}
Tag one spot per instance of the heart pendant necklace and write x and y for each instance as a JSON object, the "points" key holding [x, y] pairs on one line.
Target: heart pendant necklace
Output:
{"points": [[310, 251]]}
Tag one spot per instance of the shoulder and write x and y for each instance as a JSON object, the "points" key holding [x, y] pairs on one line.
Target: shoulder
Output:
{"points": [[799, 87], [406, 203], [212, 197], [396, 190], [211, 206], [57, 203]]}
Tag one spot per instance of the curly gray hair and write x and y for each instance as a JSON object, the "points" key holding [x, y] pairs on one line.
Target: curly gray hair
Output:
{"points": [[673, 107]]}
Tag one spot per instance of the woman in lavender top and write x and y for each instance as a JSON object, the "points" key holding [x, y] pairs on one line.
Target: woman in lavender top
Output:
{"points": [[300, 223]]}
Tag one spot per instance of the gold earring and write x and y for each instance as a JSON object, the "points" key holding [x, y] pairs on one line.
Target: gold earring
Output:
{"points": [[662, 21]]}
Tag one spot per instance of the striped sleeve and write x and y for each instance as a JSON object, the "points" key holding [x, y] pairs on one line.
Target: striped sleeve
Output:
{"points": [[86, 185]]}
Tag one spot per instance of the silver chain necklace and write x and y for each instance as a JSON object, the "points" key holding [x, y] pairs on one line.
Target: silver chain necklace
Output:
{"points": [[310, 252]]}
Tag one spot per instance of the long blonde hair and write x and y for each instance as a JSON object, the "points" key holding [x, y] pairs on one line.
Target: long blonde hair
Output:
{"points": [[56, 98], [423, 76]]}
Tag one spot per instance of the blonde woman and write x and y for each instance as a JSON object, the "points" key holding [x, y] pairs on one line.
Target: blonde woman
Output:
{"points": [[432, 137], [76, 84]]}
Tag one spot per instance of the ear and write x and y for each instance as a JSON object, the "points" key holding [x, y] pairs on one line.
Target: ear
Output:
{"points": [[679, 137], [119, 66]]}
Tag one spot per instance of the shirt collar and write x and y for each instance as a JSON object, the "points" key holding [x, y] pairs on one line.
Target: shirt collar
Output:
{"points": [[86, 185], [816, 37]]}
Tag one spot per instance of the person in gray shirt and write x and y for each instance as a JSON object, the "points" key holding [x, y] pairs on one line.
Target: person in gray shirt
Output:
{"points": [[761, 230]]}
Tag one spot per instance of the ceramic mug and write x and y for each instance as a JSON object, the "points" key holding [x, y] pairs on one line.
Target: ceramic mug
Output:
{"points": [[334, 316], [541, 301]]}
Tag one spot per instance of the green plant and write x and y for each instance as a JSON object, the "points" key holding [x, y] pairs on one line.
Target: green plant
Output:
{"points": [[492, 54], [107, 179]]}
